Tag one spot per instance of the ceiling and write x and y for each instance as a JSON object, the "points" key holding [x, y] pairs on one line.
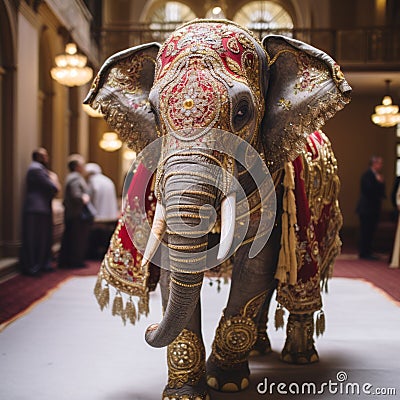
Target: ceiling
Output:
{"points": [[373, 83]]}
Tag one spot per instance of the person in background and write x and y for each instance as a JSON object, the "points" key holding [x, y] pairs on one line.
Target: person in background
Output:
{"points": [[372, 192], [395, 259], [78, 215], [104, 198], [102, 192], [42, 185]]}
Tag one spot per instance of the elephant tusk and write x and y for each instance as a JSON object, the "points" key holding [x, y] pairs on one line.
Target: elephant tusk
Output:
{"points": [[156, 234], [228, 218]]}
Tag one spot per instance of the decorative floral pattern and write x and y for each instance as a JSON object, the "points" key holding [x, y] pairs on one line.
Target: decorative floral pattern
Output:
{"points": [[311, 73], [186, 360]]}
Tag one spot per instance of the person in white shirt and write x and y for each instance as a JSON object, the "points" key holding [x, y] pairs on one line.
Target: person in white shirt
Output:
{"points": [[104, 198], [102, 192]]}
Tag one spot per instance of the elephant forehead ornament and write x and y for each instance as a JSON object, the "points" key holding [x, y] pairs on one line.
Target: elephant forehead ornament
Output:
{"points": [[197, 70], [212, 76]]}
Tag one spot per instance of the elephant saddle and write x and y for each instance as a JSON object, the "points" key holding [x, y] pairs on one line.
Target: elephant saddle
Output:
{"points": [[311, 221], [121, 268]]}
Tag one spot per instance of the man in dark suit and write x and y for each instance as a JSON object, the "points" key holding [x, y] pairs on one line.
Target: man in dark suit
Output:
{"points": [[37, 217], [77, 219], [369, 205]]}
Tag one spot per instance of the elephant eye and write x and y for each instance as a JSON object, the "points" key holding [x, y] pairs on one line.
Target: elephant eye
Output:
{"points": [[241, 115], [241, 112]]}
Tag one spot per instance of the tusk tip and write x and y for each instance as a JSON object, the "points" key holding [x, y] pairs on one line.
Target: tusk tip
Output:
{"points": [[222, 254], [144, 261]]}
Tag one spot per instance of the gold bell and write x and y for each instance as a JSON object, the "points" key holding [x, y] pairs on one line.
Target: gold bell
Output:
{"points": [[188, 104]]}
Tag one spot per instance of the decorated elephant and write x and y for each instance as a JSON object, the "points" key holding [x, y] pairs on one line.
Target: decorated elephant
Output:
{"points": [[236, 125]]}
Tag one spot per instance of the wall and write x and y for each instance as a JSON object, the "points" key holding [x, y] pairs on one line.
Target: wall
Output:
{"points": [[355, 139], [8, 34], [26, 133]]}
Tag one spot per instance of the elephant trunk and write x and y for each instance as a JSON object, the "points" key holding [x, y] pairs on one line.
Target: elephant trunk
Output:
{"points": [[188, 188]]}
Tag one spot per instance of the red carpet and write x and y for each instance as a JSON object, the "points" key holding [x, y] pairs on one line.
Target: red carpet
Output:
{"points": [[376, 272], [20, 292]]}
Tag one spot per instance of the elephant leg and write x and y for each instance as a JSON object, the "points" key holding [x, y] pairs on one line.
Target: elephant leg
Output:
{"points": [[263, 344], [252, 282], [185, 356], [299, 346]]}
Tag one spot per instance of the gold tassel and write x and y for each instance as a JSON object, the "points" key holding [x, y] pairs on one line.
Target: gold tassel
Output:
{"points": [[130, 311], [104, 298], [279, 313], [143, 305], [286, 271], [118, 305], [98, 288], [320, 324]]}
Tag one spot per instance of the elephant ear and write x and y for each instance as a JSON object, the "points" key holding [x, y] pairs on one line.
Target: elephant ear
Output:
{"points": [[305, 88], [120, 92]]}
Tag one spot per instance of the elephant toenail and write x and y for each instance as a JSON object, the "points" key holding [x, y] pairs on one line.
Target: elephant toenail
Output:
{"points": [[212, 382], [230, 387], [244, 384]]}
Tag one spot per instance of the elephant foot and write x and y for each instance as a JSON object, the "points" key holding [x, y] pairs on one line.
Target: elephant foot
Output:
{"points": [[300, 358], [299, 346], [186, 369], [229, 378], [187, 392], [262, 346]]}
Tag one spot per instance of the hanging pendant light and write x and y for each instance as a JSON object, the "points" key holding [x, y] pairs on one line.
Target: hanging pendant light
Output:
{"points": [[71, 69], [386, 114], [110, 142]]}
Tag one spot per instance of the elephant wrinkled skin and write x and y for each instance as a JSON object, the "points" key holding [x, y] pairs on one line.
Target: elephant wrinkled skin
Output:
{"points": [[211, 77]]}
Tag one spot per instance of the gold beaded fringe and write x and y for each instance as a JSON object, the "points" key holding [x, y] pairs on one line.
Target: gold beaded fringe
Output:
{"points": [[125, 309]]}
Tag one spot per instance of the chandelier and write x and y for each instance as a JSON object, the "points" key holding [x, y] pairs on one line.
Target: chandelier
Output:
{"points": [[386, 114], [71, 69], [110, 142]]}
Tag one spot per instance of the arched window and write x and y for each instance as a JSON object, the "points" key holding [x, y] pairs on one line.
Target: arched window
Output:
{"points": [[171, 13], [264, 15], [166, 17]]}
